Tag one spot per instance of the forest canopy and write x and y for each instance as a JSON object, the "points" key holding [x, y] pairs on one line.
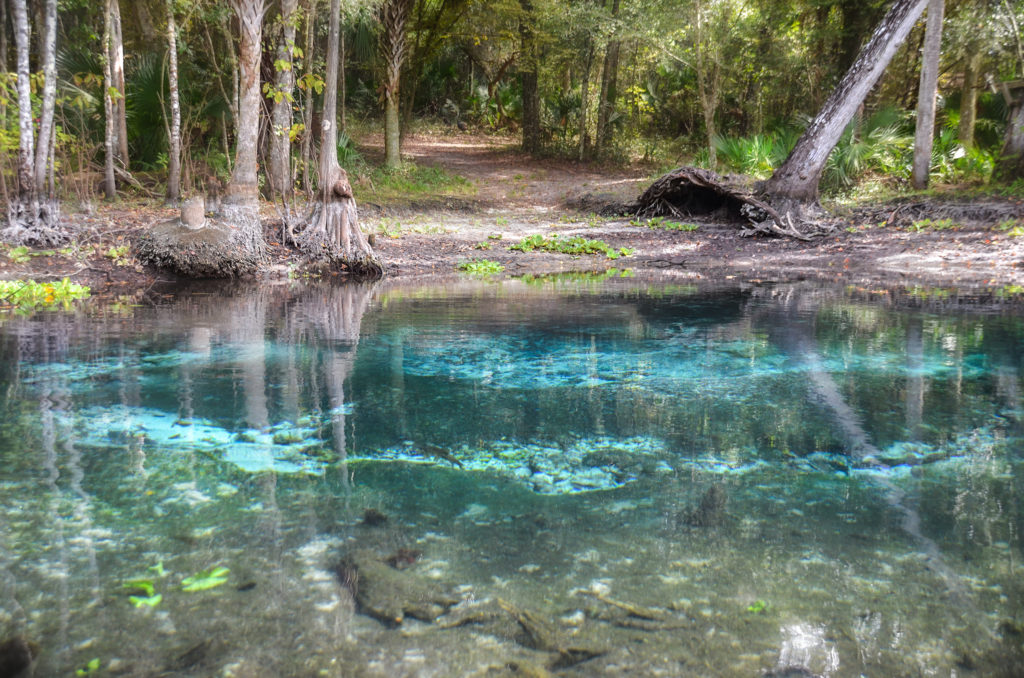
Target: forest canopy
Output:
{"points": [[722, 84]]}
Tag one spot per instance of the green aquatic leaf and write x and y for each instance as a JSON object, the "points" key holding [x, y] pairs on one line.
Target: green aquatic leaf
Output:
{"points": [[207, 579], [147, 601], [92, 667], [158, 569], [757, 607]]}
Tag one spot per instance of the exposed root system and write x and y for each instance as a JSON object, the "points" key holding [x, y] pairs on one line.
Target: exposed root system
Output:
{"points": [[691, 191]]}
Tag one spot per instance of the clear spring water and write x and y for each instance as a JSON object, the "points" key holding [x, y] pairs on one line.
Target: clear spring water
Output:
{"points": [[784, 481]]}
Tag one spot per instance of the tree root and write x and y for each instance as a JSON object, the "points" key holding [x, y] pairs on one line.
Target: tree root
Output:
{"points": [[35, 224], [691, 191]]}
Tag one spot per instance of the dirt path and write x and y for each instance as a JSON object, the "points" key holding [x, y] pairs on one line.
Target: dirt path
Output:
{"points": [[517, 196]]}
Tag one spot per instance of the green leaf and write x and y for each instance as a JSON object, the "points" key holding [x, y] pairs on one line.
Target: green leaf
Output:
{"points": [[203, 581], [145, 601]]}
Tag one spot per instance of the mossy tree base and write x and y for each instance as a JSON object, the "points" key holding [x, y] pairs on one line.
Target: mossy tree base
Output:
{"points": [[214, 250]]}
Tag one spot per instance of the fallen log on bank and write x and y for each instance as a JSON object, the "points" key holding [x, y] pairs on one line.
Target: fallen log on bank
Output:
{"points": [[691, 191]]}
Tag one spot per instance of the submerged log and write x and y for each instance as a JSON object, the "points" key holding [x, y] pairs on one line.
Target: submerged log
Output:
{"points": [[691, 191]]}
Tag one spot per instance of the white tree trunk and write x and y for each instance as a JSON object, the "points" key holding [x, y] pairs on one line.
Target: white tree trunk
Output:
{"points": [[798, 178], [174, 138], [925, 134], [117, 73], [44, 149], [26, 139], [109, 186]]}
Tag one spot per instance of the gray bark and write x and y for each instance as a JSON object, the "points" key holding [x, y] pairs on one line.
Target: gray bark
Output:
{"points": [[44, 149], [244, 183], [708, 84], [26, 139], [280, 143], [30, 220], [925, 135], [109, 185], [174, 159], [1011, 161], [117, 75], [149, 34], [798, 178], [332, 234]]}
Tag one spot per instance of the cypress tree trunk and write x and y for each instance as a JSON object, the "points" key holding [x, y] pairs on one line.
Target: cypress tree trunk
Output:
{"points": [[798, 178], [332, 234], [174, 159], [530, 79], [925, 134], [280, 144], [32, 218]]}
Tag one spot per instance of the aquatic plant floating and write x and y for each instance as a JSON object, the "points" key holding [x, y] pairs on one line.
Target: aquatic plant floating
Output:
{"points": [[205, 580]]}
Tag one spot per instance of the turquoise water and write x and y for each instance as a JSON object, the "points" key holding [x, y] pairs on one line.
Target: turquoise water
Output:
{"points": [[677, 481]]}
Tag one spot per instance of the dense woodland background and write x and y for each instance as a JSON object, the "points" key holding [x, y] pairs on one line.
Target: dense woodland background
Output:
{"points": [[725, 84]]}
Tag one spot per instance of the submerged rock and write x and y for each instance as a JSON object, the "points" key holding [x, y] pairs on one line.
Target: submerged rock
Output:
{"points": [[16, 656], [390, 595], [711, 510]]}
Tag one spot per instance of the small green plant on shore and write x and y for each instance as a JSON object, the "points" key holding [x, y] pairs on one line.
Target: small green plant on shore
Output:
{"points": [[22, 254], [483, 246], [664, 224], [758, 607], [29, 295], [494, 236], [934, 225], [1012, 227], [480, 267], [575, 246], [121, 255]]}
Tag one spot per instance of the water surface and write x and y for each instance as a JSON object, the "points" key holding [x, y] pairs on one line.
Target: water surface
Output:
{"points": [[683, 481]]}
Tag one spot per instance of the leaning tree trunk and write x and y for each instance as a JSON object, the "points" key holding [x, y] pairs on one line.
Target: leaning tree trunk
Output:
{"points": [[796, 182], [332, 234], [394, 14], [174, 161], [280, 137], [924, 137], [31, 218]]}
